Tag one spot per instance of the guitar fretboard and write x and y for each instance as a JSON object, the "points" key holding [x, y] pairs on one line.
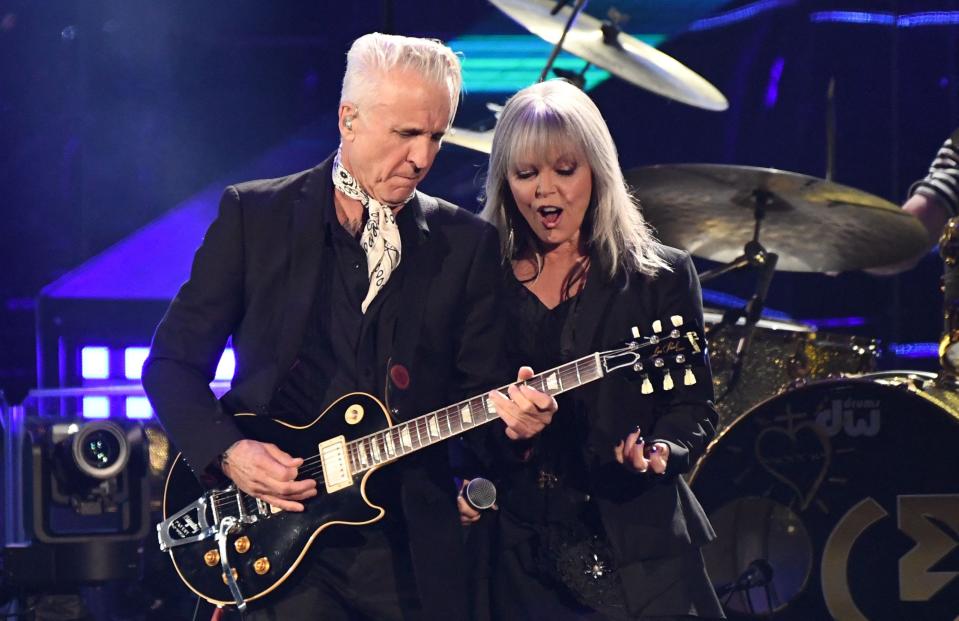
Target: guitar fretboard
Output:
{"points": [[412, 435]]}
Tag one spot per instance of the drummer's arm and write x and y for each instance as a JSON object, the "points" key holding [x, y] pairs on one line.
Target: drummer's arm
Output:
{"points": [[933, 200], [932, 212]]}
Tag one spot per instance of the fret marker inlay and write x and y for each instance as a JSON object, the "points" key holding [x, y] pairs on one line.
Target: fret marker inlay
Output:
{"points": [[552, 383]]}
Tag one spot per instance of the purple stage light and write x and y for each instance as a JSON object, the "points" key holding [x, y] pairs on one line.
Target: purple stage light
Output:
{"points": [[772, 89], [912, 20], [94, 363], [740, 14], [837, 322], [915, 350]]}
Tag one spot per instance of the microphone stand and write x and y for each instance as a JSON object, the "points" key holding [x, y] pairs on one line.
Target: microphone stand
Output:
{"points": [[758, 574], [755, 256]]}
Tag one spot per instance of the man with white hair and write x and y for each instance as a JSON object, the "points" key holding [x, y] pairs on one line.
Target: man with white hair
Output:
{"points": [[339, 279]]}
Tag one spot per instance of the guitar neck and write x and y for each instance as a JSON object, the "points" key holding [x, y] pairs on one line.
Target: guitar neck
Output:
{"points": [[418, 433]]}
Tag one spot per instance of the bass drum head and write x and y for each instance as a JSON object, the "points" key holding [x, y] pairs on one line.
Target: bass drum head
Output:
{"points": [[839, 499]]}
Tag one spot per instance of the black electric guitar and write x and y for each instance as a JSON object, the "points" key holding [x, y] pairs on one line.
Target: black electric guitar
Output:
{"points": [[231, 548]]}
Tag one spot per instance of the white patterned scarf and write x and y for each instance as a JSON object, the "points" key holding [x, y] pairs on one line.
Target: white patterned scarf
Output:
{"points": [[380, 238]]}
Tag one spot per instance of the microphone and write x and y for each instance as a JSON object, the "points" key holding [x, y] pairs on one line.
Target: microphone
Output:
{"points": [[480, 493], [759, 573]]}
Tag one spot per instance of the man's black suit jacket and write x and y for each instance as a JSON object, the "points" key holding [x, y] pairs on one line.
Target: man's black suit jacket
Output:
{"points": [[254, 278]]}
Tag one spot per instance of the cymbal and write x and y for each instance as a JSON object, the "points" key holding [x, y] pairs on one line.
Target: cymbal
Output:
{"points": [[813, 225], [481, 141], [627, 57]]}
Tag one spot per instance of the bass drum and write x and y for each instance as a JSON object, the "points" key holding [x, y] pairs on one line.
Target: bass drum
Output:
{"points": [[781, 355], [838, 499]]}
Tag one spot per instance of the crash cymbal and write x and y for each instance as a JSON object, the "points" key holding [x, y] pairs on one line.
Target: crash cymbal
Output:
{"points": [[813, 225], [481, 141], [626, 56]]}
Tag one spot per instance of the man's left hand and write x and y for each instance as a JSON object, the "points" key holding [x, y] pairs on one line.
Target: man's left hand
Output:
{"points": [[526, 411]]}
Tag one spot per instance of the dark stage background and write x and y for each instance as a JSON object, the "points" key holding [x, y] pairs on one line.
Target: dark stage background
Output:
{"points": [[118, 115], [113, 112]]}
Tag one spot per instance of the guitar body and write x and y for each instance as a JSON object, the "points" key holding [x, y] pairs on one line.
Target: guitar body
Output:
{"points": [[284, 538]]}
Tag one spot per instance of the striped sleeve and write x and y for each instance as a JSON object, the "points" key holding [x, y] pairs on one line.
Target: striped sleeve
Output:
{"points": [[942, 181]]}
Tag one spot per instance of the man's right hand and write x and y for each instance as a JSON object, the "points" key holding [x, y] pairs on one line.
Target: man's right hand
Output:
{"points": [[265, 472]]}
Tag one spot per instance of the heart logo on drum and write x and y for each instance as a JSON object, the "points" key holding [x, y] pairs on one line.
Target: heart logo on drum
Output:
{"points": [[799, 457]]}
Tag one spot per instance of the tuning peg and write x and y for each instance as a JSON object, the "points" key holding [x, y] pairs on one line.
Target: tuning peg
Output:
{"points": [[647, 386], [676, 320], [635, 332], [688, 377], [657, 326], [667, 381]]}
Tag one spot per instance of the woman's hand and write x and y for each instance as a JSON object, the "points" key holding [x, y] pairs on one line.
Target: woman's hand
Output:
{"points": [[468, 513], [634, 456], [525, 411]]}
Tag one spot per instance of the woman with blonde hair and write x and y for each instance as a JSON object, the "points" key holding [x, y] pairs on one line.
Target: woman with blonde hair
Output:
{"points": [[595, 519]]}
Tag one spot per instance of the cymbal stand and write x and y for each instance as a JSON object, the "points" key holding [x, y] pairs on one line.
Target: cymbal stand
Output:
{"points": [[755, 256], [577, 8], [611, 30]]}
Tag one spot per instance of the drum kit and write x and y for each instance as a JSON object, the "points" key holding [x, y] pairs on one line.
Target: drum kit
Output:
{"points": [[828, 483]]}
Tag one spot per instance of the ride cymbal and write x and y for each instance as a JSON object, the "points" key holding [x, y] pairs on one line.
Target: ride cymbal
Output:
{"points": [[813, 225]]}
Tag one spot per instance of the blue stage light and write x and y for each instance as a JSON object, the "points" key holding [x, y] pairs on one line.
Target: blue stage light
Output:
{"points": [[96, 407], [94, 363], [133, 358], [138, 408]]}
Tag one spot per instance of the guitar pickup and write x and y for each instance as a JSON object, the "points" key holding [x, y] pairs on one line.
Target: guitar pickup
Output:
{"points": [[336, 467]]}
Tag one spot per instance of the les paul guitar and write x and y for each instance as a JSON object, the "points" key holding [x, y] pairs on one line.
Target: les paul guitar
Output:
{"points": [[231, 548]]}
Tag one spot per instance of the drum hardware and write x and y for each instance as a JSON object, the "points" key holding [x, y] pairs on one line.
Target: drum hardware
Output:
{"points": [[755, 256], [949, 342], [758, 574], [577, 8]]}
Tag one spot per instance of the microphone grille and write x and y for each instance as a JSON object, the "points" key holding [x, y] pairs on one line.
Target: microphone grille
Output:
{"points": [[480, 493]]}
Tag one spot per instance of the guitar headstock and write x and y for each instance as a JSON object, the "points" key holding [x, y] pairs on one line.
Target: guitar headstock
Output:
{"points": [[667, 347]]}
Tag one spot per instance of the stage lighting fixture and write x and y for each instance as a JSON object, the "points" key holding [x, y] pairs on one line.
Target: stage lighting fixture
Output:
{"points": [[86, 502], [87, 462]]}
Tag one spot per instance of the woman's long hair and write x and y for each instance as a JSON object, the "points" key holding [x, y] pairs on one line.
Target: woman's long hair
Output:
{"points": [[542, 119]]}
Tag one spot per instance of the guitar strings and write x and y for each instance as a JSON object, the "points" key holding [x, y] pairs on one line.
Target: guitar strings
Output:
{"points": [[314, 463], [314, 466]]}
